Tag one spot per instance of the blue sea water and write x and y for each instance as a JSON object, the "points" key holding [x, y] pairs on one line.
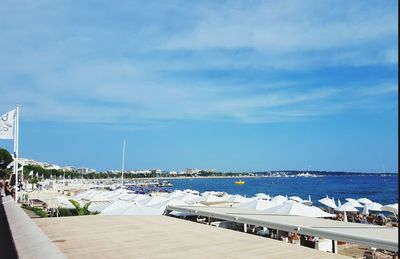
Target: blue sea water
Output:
{"points": [[381, 189]]}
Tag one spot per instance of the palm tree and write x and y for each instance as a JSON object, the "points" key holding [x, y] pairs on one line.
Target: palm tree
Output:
{"points": [[81, 210]]}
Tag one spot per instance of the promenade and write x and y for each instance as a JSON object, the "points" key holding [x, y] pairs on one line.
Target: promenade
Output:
{"points": [[161, 237]]}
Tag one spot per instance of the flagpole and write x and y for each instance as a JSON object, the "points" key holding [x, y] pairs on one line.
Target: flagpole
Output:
{"points": [[16, 131], [123, 164]]}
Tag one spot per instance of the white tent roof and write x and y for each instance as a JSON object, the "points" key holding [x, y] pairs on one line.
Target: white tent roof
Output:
{"points": [[296, 198], [279, 199], [263, 196], [364, 200], [151, 201], [257, 204], [116, 208], [295, 208], [213, 199], [355, 203], [191, 198], [136, 209], [374, 206], [328, 202], [237, 199], [394, 208]]}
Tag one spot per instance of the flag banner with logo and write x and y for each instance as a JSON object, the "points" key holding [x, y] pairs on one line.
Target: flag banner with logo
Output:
{"points": [[7, 125]]}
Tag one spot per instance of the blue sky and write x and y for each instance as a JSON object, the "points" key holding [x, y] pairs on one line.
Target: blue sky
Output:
{"points": [[229, 85]]}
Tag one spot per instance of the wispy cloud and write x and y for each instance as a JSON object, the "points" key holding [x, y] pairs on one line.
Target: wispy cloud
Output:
{"points": [[167, 61]]}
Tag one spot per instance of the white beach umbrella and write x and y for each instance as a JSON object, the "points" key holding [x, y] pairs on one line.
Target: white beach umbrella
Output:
{"points": [[296, 198], [364, 200], [355, 203], [346, 207], [393, 208], [263, 196], [374, 206], [338, 203], [279, 199], [295, 208], [257, 204], [328, 202]]}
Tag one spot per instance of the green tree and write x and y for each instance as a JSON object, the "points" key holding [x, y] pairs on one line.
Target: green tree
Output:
{"points": [[81, 210], [5, 158]]}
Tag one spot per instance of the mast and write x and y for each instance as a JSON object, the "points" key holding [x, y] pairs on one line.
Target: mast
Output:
{"points": [[123, 164], [16, 143]]}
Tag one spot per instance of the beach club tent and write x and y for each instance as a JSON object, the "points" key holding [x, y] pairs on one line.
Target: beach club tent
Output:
{"points": [[364, 200], [279, 199], [136, 209], [237, 199], [308, 202], [374, 206], [151, 201], [257, 204], [296, 198], [346, 207], [98, 205], [338, 202], [212, 199], [354, 202], [116, 208], [173, 202], [263, 196], [328, 202], [191, 198], [295, 208], [393, 208]]}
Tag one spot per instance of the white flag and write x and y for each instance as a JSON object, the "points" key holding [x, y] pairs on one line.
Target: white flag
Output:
{"points": [[31, 173], [7, 125]]}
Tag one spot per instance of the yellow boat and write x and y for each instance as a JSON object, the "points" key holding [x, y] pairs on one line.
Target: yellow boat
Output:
{"points": [[239, 182]]}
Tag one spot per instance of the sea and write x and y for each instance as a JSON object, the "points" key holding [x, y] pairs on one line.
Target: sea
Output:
{"points": [[378, 188]]}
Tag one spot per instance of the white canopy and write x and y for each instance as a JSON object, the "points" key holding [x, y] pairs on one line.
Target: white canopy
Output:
{"points": [[257, 204], [237, 199], [116, 208], [136, 209], [295, 208], [394, 208], [191, 198], [263, 196], [151, 201], [364, 200], [213, 199], [374, 206], [279, 199], [296, 198], [328, 202]]}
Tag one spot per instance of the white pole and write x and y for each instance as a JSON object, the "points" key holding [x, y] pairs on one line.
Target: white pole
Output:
{"points": [[16, 124], [123, 164]]}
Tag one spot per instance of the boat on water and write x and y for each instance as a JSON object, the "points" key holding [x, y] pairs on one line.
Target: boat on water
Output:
{"points": [[239, 182]]}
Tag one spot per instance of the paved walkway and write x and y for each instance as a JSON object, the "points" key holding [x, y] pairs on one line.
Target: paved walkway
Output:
{"points": [[161, 237]]}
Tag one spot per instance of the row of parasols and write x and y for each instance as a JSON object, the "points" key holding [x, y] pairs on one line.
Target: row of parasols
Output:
{"points": [[125, 202]]}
